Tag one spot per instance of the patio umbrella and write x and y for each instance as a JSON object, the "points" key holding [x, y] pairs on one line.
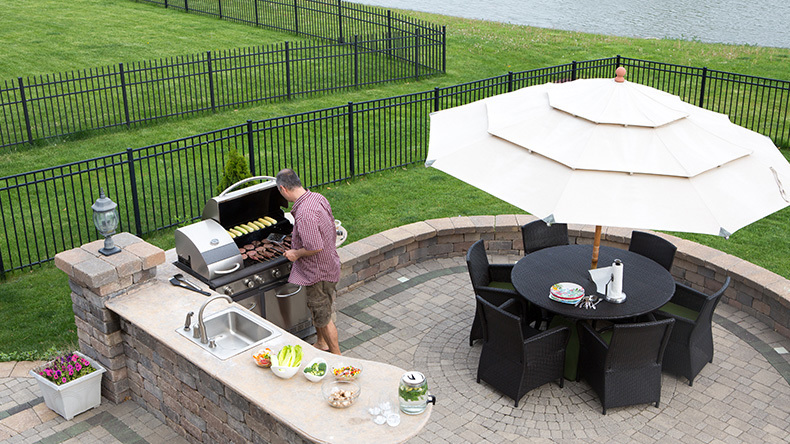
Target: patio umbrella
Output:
{"points": [[611, 152]]}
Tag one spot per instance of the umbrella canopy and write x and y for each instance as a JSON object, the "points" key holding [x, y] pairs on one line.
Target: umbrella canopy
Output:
{"points": [[611, 152]]}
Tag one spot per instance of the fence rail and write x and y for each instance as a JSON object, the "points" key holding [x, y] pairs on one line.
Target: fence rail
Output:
{"points": [[360, 46], [167, 184]]}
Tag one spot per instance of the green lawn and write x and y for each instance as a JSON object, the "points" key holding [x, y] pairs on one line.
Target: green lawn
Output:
{"points": [[35, 309]]}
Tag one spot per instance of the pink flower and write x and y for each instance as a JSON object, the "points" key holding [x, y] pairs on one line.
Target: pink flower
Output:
{"points": [[63, 380], [79, 367]]}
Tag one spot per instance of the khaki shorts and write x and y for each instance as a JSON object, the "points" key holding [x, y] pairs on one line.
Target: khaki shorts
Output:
{"points": [[321, 302]]}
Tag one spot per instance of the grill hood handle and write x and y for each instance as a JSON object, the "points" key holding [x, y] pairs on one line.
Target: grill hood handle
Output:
{"points": [[249, 179], [235, 267]]}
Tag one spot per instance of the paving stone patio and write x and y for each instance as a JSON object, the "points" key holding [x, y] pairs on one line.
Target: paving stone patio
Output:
{"points": [[418, 318]]}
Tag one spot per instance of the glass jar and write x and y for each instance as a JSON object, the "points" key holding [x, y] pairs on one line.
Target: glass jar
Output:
{"points": [[413, 395]]}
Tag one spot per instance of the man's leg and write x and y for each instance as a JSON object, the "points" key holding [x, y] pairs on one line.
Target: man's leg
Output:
{"points": [[320, 300], [320, 340], [329, 334]]}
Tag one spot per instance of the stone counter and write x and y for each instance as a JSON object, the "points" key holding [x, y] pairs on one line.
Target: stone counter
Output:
{"points": [[132, 327]]}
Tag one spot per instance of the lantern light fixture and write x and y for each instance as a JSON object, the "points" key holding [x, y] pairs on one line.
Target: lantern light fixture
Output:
{"points": [[105, 217]]}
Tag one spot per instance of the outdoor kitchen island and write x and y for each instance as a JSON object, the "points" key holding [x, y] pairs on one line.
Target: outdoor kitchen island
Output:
{"points": [[206, 399]]}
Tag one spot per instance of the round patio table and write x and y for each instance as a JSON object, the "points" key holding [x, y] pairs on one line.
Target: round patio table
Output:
{"points": [[647, 284]]}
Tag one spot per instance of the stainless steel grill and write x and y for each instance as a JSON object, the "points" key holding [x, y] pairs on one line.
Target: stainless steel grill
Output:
{"points": [[237, 250]]}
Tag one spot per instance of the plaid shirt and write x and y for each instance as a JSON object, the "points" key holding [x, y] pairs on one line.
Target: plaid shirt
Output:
{"points": [[314, 229]]}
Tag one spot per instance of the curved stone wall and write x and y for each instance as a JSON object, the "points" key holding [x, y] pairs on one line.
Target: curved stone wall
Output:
{"points": [[754, 290]]}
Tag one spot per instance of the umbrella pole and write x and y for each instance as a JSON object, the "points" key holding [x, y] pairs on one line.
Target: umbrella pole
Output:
{"points": [[596, 247]]}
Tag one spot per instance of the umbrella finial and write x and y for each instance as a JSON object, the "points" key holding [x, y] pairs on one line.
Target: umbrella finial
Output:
{"points": [[619, 75]]}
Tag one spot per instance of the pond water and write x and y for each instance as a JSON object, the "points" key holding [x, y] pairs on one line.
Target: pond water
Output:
{"points": [[756, 22]]}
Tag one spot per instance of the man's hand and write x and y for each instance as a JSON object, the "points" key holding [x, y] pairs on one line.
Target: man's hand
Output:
{"points": [[294, 255], [291, 255]]}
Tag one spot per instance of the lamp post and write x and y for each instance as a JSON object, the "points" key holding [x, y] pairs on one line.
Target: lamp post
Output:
{"points": [[105, 217]]}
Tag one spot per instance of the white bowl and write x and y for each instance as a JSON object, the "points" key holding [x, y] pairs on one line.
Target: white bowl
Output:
{"points": [[284, 372], [311, 377]]}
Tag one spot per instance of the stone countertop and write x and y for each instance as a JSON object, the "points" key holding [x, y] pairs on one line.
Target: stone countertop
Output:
{"points": [[160, 309]]}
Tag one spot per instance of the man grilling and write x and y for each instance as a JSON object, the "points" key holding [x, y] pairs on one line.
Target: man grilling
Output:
{"points": [[316, 264]]}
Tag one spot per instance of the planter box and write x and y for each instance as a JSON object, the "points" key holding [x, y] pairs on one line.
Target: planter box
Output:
{"points": [[75, 397]]}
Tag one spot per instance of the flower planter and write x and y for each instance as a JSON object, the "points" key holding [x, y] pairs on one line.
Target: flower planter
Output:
{"points": [[74, 397]]}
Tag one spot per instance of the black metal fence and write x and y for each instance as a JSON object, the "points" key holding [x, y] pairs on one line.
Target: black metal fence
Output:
{"points": [[160, 186], [366, 45]]}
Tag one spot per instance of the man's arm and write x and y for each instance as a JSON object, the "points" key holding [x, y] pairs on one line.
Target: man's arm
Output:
{"points": [[294, 255]]}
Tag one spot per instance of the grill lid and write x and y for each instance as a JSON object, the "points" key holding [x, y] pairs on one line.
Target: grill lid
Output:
{"points": [[233, 207]]}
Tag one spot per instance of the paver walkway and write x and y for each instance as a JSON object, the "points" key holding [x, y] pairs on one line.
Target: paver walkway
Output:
{"points": [[418, 318]]}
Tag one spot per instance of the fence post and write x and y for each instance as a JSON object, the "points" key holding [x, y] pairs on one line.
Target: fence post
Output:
{"points": [[444, 48], [351, 162], [389, 33], [251, 147], [210, 80], [186, 5], [702, 86], [573, 70], [256, 13], [135, 202], [219, 5], [165, 4], [510, 81], [617, 63], [356, 60], [340, 19], [296, 17], [123, 90], [435, 99], [2, 268], [288, 70], [24, 110], [417, 53]]}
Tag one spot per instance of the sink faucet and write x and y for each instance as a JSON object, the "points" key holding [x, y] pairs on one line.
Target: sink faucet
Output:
{"points": [[201, 325]]}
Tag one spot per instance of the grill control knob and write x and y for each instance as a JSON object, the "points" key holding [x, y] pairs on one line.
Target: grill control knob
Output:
{"points": [[249, 283], [276, 273], [228, 291], [258, 280]]}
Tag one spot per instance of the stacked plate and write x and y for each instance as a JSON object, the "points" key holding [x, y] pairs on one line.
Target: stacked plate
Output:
{"points": [[566, 292]]}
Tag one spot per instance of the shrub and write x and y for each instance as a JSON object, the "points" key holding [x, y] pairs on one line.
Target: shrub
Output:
{"points": [[236, 169]]}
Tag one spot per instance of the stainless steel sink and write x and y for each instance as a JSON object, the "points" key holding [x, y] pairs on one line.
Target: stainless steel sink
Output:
{"points": [[230, 332]]}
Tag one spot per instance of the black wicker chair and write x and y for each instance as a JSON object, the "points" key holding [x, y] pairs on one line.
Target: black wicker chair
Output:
{"points": [[622, 363], [515, 357], [537, 235], [653, 247], [690, 347], [490, 281]]}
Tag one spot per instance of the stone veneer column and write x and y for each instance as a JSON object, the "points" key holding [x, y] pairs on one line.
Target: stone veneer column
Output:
{"points": [[95, 278]]}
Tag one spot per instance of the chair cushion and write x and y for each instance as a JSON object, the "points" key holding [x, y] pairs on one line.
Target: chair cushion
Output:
{"points": [[606, 335], [572, 349], [502, 285], [679, 310]]}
